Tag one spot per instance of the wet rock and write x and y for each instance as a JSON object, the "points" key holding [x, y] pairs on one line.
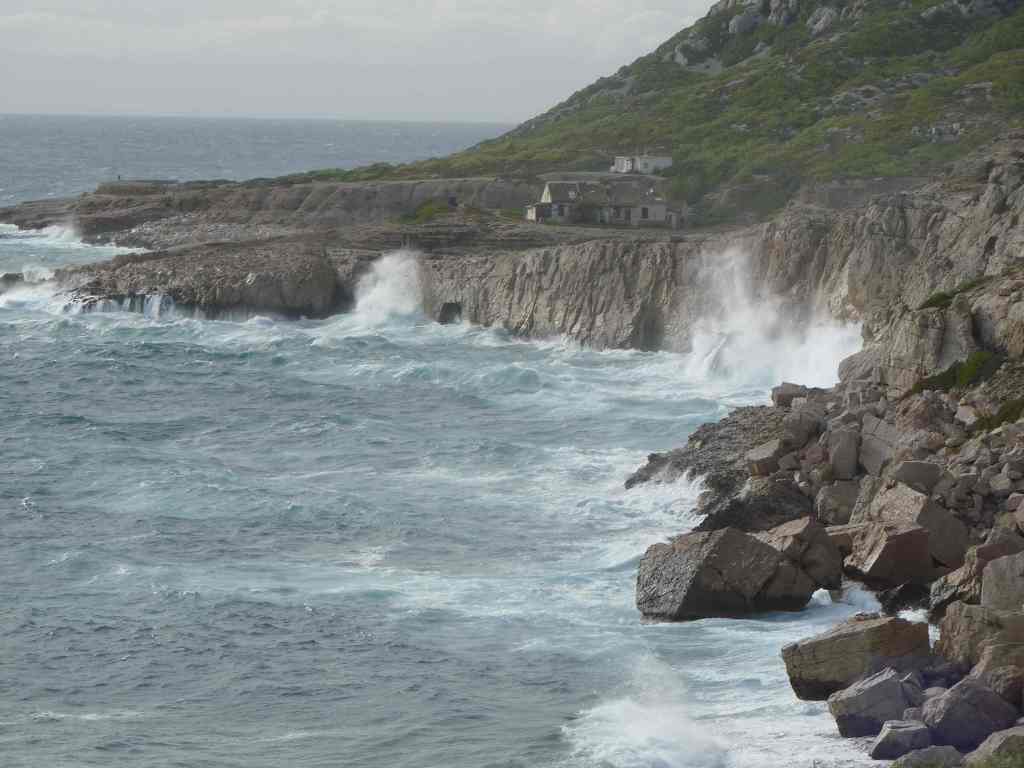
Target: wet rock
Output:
{"points": [[863, 708], [885, 556], [1002, 584], [1003, 744], [807, 545], [898, 737], [720, 573], [931, 757], [822, 665], [762, 504], [966, 714]]}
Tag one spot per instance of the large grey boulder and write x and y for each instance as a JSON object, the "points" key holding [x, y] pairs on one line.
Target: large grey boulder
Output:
{"points": [[719, 573], [885, 556], [877, 445], [821, 665], [762, 504], [898, 737], [1002, 583], [834, 503], [1001, 744], [931, 757], [843, 452], [902, 505], [807, 545], [864, 707], [966, 714]]}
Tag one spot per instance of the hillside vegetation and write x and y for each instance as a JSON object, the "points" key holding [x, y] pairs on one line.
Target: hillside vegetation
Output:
{"points": [[771, 94]]}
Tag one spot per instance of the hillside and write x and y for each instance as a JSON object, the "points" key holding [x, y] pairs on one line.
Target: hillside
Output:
{"points": [[760, 97]]}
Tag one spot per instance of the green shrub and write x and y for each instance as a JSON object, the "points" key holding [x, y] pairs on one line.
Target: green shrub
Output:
{"points": [[1008, 412], [977, 368], [427, 212], [942, 299]]}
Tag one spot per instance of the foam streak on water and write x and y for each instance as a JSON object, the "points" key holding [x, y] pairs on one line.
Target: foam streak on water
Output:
{"points": [[369, 540]]}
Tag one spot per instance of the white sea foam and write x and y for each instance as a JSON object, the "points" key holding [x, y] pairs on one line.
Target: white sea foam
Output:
{"points": [[648, 726], [391, 288], [750, 339]]}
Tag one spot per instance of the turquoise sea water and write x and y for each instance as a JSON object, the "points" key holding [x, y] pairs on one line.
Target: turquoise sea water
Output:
{"points": [[364, 541]]}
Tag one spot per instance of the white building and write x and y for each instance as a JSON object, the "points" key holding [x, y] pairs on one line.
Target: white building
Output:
{"points": [[641, 163]]}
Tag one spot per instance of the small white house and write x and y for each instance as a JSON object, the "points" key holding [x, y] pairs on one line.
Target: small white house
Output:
{"points": [[641, 163]]}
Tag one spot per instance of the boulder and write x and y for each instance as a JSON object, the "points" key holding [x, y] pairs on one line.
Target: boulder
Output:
{"points": [[913, 714], [807, 545], [920, 475], [822, 665], [764, 459], [964, 584], [843, 536], [1004, 744], [834, 503], [967, 630], [898, 737], [762, 504], [800, 426], [886, 556], [718, 573], [1002, 583], [784, 394], [901, 504], [931, 757], [877, 444], [843, 452], [864, 707], [1008, 682], [967, 714]]}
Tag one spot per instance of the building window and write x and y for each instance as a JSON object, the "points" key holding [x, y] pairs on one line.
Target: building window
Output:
{"points": [[561, 210], [644, 213]]}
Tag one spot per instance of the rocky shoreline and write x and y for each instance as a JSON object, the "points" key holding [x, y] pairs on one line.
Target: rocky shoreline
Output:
{"points": [[912, 489], [906, 477]]}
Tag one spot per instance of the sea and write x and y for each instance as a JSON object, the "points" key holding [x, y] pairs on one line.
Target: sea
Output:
{"points": [[363, 541]]}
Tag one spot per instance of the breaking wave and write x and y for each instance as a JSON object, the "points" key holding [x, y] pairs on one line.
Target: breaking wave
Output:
{"points": [[755, 340]]}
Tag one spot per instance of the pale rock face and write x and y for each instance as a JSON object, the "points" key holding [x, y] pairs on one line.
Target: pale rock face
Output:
{"points": [[1002, 583], [827, 663]]}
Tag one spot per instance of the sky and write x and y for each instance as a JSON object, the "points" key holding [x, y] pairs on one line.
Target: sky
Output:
{"points": [[458, 60]]}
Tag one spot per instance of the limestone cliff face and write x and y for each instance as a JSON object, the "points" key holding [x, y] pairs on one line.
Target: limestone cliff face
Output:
{"points": [[876, 264]]}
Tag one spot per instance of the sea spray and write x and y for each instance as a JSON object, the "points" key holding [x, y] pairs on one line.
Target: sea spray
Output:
{"points": [[391, 288], [753, 339]]}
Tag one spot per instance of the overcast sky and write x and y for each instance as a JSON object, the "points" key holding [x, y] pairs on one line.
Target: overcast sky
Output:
{"points": [[475, 60]]}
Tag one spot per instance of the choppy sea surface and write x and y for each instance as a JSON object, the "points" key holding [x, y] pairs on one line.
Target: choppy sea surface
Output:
{"points": [[369, 540]]}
